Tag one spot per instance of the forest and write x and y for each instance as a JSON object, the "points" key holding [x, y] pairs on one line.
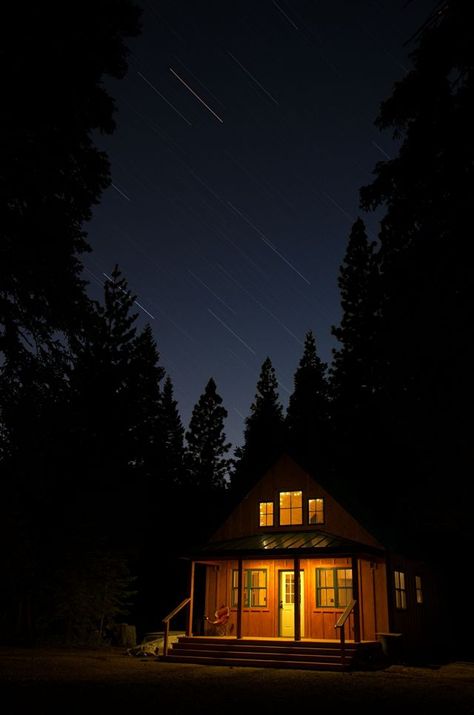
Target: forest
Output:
{"points": [[100, 479]]}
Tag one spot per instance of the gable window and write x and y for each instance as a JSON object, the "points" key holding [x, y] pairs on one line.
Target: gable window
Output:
{"points": [[400, 590], [291, 508], [254, 588], [316, 511], [266, 513], [333, 588], [418, 589]]}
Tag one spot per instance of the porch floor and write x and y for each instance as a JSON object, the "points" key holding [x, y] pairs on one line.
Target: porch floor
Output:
{"points": [[284, 639]]}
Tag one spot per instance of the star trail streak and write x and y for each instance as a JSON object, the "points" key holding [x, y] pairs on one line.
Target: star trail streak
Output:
{"points": [[381, 150], [232, 332], [254, 79], [268, 243], [128, 293], [196, 95], [260, 305], [284, 14], [120, 192], [204, 285], [164, 98]]}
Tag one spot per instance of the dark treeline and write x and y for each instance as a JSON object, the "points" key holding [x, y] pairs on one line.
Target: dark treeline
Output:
{"points": [[102, 487]]}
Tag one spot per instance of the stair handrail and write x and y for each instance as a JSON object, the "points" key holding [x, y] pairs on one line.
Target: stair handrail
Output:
{"points": [[340, 623], [166, 623]]}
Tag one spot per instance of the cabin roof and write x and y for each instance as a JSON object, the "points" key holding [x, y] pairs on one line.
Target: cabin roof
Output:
{"points": [[288, 543]]}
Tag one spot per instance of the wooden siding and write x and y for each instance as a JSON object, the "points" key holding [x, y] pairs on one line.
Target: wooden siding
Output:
{"points": [[373, 598], [418, 622], [318, 622], [286, 475]]}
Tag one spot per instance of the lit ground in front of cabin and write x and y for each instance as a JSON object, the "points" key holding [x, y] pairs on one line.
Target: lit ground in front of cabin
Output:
{"points": [[107, 681]]}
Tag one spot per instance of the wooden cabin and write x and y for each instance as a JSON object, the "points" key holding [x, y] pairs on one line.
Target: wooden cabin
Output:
{"points": [[305, 584]]}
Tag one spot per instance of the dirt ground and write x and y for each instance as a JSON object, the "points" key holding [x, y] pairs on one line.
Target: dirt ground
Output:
{"points": [[84, 681]]}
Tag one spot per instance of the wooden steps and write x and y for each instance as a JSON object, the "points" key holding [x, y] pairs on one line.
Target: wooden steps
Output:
{"points": [[271, 653]]}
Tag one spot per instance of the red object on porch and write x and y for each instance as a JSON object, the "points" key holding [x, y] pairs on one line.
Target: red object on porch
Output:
{"points": [[221, 617]]}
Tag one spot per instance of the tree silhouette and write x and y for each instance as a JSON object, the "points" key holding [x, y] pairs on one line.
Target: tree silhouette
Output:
{"points": [[51, 174], [424, 350], [171, 435], [264, 436], [206, 460], [116, 401], [307, 414]]}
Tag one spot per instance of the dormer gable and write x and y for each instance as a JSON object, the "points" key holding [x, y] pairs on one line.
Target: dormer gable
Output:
{"points": [[288, 498]]}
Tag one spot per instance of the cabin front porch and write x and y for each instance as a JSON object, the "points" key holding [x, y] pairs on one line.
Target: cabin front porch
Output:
{"points": [[319, 613], [290, 598]]}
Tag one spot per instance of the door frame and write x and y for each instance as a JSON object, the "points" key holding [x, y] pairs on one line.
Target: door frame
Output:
{"points": [[302, 600]]}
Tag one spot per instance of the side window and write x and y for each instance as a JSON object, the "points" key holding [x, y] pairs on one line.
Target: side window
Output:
{"points": [[400, 590], [418, 589], [316, 511], [266, 513]]}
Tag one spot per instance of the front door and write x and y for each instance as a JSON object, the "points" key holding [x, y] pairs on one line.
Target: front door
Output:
{"points": [[287, 603]]}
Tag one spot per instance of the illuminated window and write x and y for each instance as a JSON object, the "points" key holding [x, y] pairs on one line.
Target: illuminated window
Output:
{"points": [[254, 588], [333, 588], [400, 590], [316, 511], [266, 513], [291, 508], [419, 589]]}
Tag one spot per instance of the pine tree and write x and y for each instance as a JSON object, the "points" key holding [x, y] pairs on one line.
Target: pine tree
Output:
{"points": [[100, 378], [353, 367], [207, 464], [51, 174], [425, 348], [145, 405], [171, 434], [307, 414], [264, 436], [116, 409]]}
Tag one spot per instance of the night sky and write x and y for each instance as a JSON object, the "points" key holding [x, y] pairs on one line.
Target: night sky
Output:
{"points": [[244, 131]]}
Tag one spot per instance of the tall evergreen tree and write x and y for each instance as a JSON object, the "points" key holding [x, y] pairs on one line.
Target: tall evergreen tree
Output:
{"points": [[51, 174], [352, 370], [307, 414], [116, 404], [264, 436], [427, 305], [425, 350], [207, 464], [171, 435], [145, 406]]}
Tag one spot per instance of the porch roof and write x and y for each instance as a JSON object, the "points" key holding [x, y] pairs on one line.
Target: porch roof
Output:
{"points": [[294, 543]]}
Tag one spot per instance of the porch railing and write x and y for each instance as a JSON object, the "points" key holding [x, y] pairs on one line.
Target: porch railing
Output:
{"points": [[166, 623], [340, 623]]}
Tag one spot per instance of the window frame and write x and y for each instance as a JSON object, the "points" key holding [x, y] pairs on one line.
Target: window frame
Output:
{"points": [[260, 504], [400, 589], [247, 588], [335, 587], [291, 508], [419, 590], [323, 511]]}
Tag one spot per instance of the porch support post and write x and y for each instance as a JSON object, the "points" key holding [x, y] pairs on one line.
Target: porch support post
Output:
{"points": [[356, 597], [189, 629], [240, 588], [296, 569]]}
